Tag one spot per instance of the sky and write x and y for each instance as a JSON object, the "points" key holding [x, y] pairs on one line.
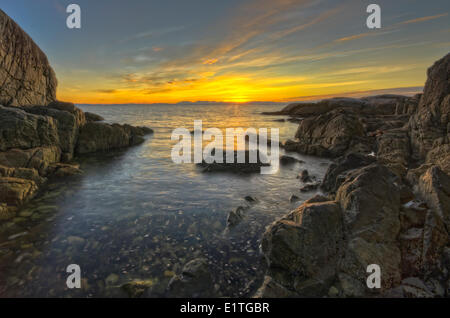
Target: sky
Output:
{"points": [[169, 51]]}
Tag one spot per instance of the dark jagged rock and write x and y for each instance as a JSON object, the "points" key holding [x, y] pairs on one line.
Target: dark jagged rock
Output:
{"points": [[331, 242], [236, 216], [337, 172], [310, 187], [304, 176], [91, 117], [15, 191], [194, 281], [288, 160], [332, 134], [27, 78], [429, 126], [302, 250], [39, 158], [390, 214], [250, 199], [96, 137], [370, 202], [23, 130], [67, 125]]}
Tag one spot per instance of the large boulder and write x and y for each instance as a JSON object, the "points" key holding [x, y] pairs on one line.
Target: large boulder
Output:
{"points": [[440, 156], [337, 172], [23, 130], [434, 189], [370, 201], [95, 136], [91, 117], [39, 158], [393, 147], [15, 191], [22, 173], [80, 117], [430, 127], [195, 280], [66, 124], [303, 249], [332, 134], [27, 78]]}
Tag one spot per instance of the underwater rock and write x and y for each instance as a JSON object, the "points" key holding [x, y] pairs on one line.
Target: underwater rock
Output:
{"points": [[236, 216], [288, 160], [194, 281]]}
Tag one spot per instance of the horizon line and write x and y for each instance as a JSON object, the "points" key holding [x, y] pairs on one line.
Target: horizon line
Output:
{"points": [[406, 91]]}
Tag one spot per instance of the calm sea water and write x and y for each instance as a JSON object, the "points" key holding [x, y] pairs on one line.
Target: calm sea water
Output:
{"points": [[135, 215]]}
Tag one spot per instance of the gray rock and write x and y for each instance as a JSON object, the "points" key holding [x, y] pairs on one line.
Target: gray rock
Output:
{"points": [[337, 172], [304, 176], [27, 78], [288, 160], [96, 137], [310, 187], [303, 248], [332, 134], [194, 281], [23, 130], [236, 216], [91, 117], [370, 202], [15, 191], [429, 125]]}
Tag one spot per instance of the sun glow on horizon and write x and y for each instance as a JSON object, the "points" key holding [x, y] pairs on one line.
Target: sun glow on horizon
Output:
{"points": [[256, 51]]}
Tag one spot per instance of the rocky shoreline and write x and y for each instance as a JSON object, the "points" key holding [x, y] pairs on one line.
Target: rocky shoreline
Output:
{"points": [[387, 196], [387, 202], [41, 137]]}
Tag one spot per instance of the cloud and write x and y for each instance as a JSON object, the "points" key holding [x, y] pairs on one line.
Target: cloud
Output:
{"points": [[423, 19], [354, 37], [210, 61], [320, 18], [106, 91]]}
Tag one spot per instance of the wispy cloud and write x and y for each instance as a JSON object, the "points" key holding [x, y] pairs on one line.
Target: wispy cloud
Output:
{"points": [[423, 19]]}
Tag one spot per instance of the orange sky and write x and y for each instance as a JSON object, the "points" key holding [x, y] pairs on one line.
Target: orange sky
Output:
{"points": [[236, 50]]}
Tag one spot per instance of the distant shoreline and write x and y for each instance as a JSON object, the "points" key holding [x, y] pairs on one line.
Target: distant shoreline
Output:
{"points": [[406, 91]]}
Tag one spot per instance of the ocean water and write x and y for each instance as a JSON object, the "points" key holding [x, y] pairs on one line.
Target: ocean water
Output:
{"points": [[136, 215]]}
